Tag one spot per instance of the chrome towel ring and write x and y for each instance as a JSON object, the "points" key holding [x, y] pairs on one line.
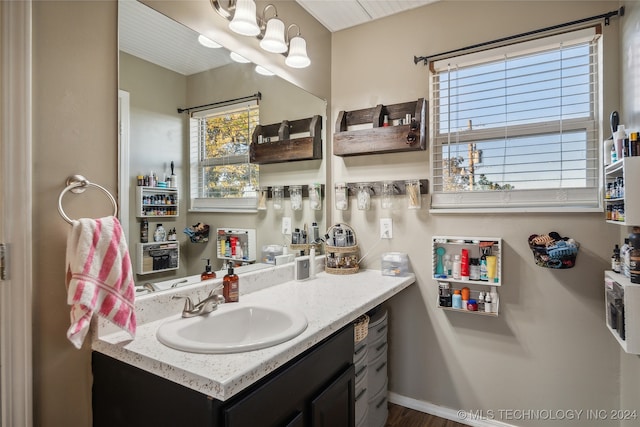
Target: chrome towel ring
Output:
{"points": [[77, 184]]}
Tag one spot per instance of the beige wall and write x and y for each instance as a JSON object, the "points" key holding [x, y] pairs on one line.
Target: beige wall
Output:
{"points": [[630, 114], [75, 115], [549, 348]]}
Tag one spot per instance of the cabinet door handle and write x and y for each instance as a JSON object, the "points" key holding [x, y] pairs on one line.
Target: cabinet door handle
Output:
{"points": [[361, 371], [381, 328], [382, 365], [384, 399], [363, 391]]}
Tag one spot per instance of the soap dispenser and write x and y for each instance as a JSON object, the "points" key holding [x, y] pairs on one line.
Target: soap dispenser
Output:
{"points": [[207, 274], [231, 288]]}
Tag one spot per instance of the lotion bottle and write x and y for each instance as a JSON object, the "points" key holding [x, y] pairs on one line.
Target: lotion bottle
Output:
{"points": [[207, 273], [231, 288]]}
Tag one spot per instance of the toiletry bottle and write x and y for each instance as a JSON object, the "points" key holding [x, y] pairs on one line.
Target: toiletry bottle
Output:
{"points": [[445, 294], [448, 266], [615, 259], [494, 299], [207, 273], [619, 138], [483, 266], [624, 257], [480, 301], [488, 307], [465, 294], [230, 284], [456, 266], [474, 269], [144, 231], [464, 264], [456, 299]]}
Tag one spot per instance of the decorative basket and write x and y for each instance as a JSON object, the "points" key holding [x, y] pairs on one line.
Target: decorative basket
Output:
{"points": [[361, 328], [341, 250], [553, 251]]}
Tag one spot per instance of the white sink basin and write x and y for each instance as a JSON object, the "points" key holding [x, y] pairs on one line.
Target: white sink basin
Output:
{"points": [[233, 328]]}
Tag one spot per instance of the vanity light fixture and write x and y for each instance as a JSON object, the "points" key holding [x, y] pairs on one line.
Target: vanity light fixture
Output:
{"points": [[297, 57], [207, 42], [239, 58], [244, 20], [263, 71], [273, 38]]}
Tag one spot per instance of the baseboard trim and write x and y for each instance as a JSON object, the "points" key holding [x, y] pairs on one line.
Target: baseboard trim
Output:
{"points": [[459, 416]]}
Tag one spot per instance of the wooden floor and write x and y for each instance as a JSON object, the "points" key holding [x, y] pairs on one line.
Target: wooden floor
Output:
{"points": [[400, 416]]}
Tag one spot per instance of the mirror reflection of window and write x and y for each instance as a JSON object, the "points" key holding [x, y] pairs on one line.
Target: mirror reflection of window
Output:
{"points": [[221, 175]]}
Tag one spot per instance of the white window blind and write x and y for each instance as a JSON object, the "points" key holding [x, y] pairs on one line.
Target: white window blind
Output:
{"points": [[516, 127], [222, 179]]}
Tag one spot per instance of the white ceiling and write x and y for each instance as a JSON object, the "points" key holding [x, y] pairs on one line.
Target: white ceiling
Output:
{"points": [[149, 35], [337, 15]]}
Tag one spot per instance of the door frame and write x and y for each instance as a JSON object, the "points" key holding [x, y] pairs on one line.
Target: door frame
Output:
{"points": [[16, 377]]}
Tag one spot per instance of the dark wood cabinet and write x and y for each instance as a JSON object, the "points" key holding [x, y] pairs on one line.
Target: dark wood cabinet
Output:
{"points": [[316, 389]]}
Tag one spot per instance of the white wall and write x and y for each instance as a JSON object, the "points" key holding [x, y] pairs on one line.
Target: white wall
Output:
{"points": [[549, 348]]}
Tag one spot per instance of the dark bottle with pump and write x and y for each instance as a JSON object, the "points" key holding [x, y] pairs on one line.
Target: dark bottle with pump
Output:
{"points": [[231, 288], [207, 274]]}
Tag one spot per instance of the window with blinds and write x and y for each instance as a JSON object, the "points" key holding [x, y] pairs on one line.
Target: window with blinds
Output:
{"points": [[516, 127], [222, 179]]}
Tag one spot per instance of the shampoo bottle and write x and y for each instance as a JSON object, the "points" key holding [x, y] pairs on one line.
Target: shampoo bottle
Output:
{"points": [[207, 273], [230, 284]]}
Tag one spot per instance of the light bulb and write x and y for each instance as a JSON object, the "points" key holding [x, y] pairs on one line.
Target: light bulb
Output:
{"points": [[297, 57], [244, 19]]}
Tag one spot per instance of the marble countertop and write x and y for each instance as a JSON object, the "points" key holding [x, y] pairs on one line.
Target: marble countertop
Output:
{"points": [[329, 301]]}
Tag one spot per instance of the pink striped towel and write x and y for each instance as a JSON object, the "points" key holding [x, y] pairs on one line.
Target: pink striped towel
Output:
{"points": [[99, 277]]}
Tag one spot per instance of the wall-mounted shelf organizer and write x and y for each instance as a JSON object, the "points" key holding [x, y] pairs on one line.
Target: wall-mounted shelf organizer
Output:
{"points": [[451, 245], [626, 170], [379, 138], [376, 187], [273, 143], [236, 244], [153, 202], [622, 310], [286, 194], [156, 257]]}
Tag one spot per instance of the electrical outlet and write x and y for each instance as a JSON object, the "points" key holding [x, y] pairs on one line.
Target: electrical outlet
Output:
{"points": [[286, 225], [386, 228]]}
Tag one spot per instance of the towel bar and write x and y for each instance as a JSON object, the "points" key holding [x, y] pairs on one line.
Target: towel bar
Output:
{"points": [[77, 184]]}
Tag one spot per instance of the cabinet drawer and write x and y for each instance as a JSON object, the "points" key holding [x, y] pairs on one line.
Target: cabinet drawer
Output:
{"points": [[377, 326], [377, 374], [378, 409], [377, 348]]}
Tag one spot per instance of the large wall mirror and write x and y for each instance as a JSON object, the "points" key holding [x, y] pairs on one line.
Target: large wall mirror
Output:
{"points": [[162, 67]]}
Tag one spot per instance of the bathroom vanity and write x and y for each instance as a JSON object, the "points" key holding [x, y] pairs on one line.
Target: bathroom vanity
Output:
{"points": [[306, 381]]}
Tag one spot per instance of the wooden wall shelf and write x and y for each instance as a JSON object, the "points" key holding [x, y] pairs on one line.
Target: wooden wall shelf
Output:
{"points": [[264, 151], [381, 139]]}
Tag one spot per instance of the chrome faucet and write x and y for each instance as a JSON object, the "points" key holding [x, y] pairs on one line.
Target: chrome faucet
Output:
{"points": [[205, 306]]}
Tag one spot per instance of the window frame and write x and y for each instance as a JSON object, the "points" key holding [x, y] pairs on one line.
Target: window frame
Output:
{"points": [[574, 199], [197, 139]]}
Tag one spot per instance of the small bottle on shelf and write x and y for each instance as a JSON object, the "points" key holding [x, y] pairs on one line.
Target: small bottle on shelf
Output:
{"points": [[457, 264], [494, 299], [488, 306], [615, 259], [456, 299], [144, 231], [481, 301]]}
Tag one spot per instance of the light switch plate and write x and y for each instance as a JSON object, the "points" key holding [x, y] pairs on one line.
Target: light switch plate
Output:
{"points": [[386, 228], [286, 225]]}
